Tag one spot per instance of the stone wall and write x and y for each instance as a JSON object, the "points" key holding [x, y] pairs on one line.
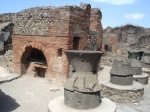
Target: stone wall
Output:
{"points": [[122, 96], [119, 40], [96, 31], [6, 45], [6, 30], [144, 41], [53, 30], [79, 24], [125, 38], [6, 60], [7, 17], [41, 21]]}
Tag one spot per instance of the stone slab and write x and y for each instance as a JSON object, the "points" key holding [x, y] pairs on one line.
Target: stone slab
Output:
{"points": [[123, 94], [143, 78], [57, 105], [8, 78]]}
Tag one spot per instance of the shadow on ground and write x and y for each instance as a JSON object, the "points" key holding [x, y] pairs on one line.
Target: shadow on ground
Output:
{"points": [[7, 103]]}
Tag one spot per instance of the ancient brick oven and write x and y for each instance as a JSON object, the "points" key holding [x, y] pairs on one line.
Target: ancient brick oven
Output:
{"points": [[41, 35]]}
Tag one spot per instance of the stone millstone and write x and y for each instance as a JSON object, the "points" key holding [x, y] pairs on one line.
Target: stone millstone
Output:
{"points": [[146, 59], [121, 73], [136, 66], [81, 100], [82, 88]]}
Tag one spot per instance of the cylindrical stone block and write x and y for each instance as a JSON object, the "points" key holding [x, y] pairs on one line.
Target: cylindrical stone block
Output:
{"points": [[81, 100]]}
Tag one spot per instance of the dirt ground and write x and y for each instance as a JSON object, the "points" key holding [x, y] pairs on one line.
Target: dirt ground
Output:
{"points": [[30, 94]]}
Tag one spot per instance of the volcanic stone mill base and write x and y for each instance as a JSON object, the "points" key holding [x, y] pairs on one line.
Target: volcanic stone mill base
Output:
{"points": [[123, 94], [143, 78], [79, 100], [57, 105]]}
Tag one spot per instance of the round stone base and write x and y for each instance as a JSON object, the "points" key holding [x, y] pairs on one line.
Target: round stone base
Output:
{"points": [[81, 100], [57, 105], [143, 79], [146, 70], [123, 94]]}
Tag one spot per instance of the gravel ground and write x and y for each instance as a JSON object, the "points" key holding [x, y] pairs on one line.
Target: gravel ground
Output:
{"points": [[30, 94]]}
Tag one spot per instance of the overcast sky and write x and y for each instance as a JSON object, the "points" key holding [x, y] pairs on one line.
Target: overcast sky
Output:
{"points": [[115, 12]]}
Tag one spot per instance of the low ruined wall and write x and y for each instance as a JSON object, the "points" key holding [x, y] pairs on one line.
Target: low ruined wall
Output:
{"points": [[7, 17], [6, 60], [122, 96], [127, 37]]}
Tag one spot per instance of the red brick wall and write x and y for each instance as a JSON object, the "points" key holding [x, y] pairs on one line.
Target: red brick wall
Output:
{"points": [[79, 24], [57, 66], [95, 24], [56, 29]]}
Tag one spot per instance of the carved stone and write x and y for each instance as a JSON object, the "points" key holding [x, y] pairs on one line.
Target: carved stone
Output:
{"points": [[82, 89], [136, 66], [121, 72], [146, 59]]}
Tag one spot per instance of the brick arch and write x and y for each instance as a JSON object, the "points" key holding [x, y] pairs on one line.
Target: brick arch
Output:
{"points": [[36, 45], [26, 49]]}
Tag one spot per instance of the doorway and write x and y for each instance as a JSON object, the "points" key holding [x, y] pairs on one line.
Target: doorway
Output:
{"points": [[76, 43]]}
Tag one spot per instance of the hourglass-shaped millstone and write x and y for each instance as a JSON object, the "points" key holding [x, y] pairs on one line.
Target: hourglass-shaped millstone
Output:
{"points": [[146, 59], [121, 73], [82, 89], [136, 66]]}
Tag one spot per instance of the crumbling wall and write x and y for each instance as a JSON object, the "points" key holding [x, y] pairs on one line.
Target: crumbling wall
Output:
{"points": [[79, 25], [52, 30], [45, 29], [144, 41], [95, 34], [129, 37], [7, 17], [42, 21], [6, 30], [120, 40], [6, 60], [6, 45]]}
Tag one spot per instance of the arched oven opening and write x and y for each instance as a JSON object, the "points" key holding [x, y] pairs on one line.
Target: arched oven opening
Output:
{"points": [[33, 62]]}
